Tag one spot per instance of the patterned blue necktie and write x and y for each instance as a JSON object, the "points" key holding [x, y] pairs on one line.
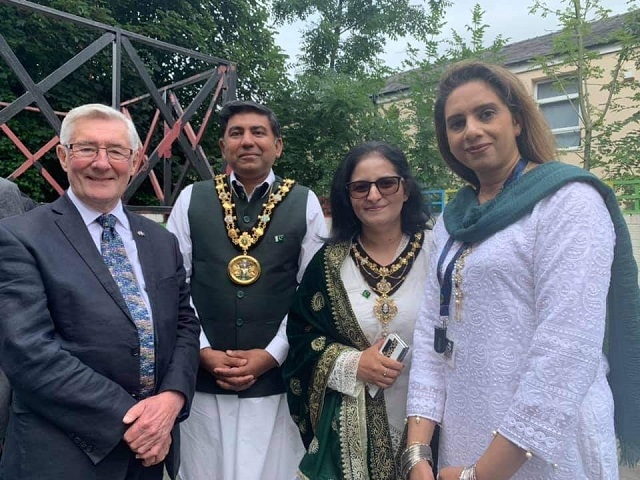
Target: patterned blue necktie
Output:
{"points": [[115, 257]]}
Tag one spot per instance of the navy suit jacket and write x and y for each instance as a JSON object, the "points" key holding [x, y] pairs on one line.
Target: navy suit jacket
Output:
{"points": [[70, 347]]}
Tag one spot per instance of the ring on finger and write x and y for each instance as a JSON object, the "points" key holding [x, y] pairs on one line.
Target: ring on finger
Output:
{"points": [[384, 374]]}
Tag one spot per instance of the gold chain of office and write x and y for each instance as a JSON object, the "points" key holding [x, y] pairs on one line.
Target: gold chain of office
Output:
{"points": [[385, 308], [245, 269]]}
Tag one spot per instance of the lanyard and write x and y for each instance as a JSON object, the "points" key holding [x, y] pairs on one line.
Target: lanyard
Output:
{"points": [[445, 278], [515, 174]]}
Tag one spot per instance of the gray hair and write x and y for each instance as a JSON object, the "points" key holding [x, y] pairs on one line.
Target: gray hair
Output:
{"points": [[96, 111]]}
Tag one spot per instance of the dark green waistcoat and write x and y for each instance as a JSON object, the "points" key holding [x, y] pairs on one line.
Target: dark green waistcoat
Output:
{"points": [[243, 317]]}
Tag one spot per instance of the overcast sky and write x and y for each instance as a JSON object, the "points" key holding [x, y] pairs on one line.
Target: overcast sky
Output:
{"points": [[510, 18]]}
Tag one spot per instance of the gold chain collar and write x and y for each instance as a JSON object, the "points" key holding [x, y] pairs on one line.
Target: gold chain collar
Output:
{"points": [[385, 308], [246, 240], [388, 271]]}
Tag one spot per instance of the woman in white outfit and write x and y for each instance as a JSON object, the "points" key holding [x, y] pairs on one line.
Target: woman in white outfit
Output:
{"points": [[508, 347]]}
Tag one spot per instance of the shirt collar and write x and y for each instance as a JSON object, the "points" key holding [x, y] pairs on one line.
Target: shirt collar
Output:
{"points": [[89, 215], [239, 187]]}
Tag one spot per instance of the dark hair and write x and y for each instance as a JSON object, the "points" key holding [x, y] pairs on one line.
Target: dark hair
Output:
{"points": [[235, 107], [535, 142], [344, 222]]}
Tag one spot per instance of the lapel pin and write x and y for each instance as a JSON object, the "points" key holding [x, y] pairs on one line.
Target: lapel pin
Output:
{"points": [[140, 233]]}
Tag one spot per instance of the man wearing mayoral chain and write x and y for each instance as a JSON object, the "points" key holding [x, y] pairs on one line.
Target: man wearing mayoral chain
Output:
{"points": [[246, 239]]}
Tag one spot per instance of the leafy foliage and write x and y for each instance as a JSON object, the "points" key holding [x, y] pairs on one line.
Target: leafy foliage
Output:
{"points": [[423, 79], [323, 117], [334, 104], [347, 36], [609, 128]]}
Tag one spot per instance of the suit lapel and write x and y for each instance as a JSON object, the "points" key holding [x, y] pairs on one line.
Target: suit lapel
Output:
{"points": [[72, 226]]}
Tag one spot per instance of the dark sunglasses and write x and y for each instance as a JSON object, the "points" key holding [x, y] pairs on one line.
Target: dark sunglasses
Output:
{"points": [[385, 185]]}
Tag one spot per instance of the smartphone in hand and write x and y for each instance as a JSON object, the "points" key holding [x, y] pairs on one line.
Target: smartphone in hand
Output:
{"points": [[392, 347]]}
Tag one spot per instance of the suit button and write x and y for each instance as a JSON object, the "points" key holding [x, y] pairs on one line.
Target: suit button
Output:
{"points": [[89, 448], [77, 440], [240, 294], [135, 352], [246, 219], [239, 322]]}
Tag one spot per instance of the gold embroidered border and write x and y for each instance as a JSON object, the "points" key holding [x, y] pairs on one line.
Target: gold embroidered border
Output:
{"points": [[353, 437], [343, 316], [319, 380], [381, 458]]}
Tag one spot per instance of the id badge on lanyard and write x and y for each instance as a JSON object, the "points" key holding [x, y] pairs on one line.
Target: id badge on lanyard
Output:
{"points": [[441, 342]]}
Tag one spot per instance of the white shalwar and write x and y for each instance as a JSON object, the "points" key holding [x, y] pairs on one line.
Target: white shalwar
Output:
{"points": [[528, 358], [231, 438]]}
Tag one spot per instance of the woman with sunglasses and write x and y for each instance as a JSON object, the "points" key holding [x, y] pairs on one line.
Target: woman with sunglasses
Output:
{"points": [[362, 288]]}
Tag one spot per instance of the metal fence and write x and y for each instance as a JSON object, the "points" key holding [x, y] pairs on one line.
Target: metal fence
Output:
{"points": [[172, 122]]}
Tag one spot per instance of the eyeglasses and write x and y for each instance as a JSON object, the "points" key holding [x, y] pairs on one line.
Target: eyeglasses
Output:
{"points": [[88, 151], [385, 185]]}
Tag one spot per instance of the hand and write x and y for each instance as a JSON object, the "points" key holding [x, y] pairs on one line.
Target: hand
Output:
{"points": [[229, 379], [150, 423], [211, 359], [450, 473], [256, 362], [156, 454], [375, 368], [422, 471]]}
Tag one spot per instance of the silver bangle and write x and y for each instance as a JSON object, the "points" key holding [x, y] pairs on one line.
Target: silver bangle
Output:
{"points": [[468, 473], [412, 455]]}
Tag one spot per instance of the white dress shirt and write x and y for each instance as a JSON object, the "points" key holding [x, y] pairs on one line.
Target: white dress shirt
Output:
{"points": [[90, 217]]}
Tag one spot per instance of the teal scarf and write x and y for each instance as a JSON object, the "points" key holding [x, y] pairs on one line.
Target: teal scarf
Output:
{"points": [[467, 221]]}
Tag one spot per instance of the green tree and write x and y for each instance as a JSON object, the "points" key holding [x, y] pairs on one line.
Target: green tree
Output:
{"points": [[348, 36], [323, 117], [423, 81], [574, 60], [332, 105]]}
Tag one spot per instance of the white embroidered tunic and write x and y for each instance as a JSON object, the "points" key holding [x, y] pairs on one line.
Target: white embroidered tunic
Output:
{"points": [[528, 346]]}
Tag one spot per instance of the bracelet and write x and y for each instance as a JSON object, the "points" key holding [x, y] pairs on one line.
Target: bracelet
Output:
{"points": [[412, 455], [416, 418], [468, 473]]}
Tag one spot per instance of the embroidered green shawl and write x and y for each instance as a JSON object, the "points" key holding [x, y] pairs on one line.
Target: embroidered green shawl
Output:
{"points": [[345, 437], [467, 221]]}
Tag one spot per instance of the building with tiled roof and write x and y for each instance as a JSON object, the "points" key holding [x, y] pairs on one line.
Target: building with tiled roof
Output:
{"points": [[559, 105], [520, 54]]}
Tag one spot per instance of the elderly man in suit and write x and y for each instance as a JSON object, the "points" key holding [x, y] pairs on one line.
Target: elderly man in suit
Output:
{"points": [[97, 335]]}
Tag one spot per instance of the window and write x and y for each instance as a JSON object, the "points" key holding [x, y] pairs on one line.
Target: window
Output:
{"points": [[559, 104]]}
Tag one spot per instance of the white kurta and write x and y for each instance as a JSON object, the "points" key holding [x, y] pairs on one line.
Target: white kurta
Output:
{"points": [[528, 347], [231, 438]]}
